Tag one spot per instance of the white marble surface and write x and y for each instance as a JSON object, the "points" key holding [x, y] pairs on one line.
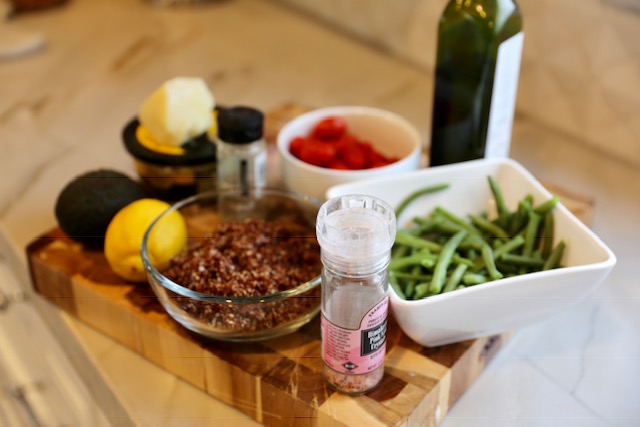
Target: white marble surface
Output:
{"points": [[61, 113]]}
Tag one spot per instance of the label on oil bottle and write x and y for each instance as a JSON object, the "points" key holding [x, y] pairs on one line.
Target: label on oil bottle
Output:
{"points": [[503, 97]]}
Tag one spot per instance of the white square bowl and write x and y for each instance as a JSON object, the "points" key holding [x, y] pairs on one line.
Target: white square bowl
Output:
{"points": [[502, 305]]}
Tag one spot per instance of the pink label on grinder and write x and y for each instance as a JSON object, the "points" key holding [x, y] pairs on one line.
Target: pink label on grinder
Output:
{"points": [[356, 351]]}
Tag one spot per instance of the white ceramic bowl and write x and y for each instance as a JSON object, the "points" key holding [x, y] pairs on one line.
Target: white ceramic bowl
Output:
{"points": [[502, 305], [389, 133]]}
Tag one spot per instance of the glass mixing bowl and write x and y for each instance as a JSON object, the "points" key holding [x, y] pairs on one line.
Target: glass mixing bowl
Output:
{"points": [[200, 292]]}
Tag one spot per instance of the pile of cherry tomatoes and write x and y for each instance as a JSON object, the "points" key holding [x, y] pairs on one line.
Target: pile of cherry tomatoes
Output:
{"points": [[330, 145]]}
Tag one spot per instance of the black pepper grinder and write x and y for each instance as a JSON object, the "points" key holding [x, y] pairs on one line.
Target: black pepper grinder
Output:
{"points": [[242, 151]]}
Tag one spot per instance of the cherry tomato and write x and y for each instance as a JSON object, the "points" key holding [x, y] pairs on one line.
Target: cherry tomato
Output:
{"points": [[375, 158], [379, 163], [338, 165], [317, 153], [329, 128], [296, 145], [329, 145], [343, 141], [368, 152], [354, 156]]}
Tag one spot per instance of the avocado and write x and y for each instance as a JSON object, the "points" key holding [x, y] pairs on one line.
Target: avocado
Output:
{"points": [[86, 205]]}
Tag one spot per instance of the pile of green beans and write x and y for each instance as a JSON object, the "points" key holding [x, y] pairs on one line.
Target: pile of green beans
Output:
{"points": [[442, 252]]}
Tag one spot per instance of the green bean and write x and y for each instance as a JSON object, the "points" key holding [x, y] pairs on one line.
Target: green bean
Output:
{"points": [[409, 261], [457, 259], [470, 279], [519, 218], [410, 240], [421, 290], [547, 206], [472, 253], [409, 289], [472, 241], [446, 255], [531, 233], [396, 286], [437, 223], [411, 283], [501, 206], [521, 260], [547, 239], [399, 251], [478, 265], [421, 192], [509, 246], [507, 269], [455, 278], [456, 220], [489, 227], [425, 225], [537, 254], [489, 262], [404, 275], [447, 227], [428, 262], [556, 256]]}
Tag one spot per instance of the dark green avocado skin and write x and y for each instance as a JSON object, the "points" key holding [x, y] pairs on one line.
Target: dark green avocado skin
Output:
{"points": [[86, 205]]}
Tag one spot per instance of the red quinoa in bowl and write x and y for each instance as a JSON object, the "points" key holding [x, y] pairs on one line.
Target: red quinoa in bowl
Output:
{"points": [[248, 258], [251, 270]]}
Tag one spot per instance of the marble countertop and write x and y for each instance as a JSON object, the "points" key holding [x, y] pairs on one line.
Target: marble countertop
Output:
{"points": [[61, 113]]}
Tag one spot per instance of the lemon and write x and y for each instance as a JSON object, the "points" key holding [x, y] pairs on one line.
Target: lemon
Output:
{"points": [[126, 230]]}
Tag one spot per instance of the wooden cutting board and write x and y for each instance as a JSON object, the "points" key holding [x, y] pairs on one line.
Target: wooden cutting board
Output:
{"points": [[277, 382]]}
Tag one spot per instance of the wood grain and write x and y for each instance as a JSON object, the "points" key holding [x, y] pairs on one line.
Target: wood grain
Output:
{"points": [[277, 382]]}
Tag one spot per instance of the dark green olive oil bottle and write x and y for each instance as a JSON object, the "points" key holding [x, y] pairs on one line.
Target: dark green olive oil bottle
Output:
{"points": [[476, 80]]}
